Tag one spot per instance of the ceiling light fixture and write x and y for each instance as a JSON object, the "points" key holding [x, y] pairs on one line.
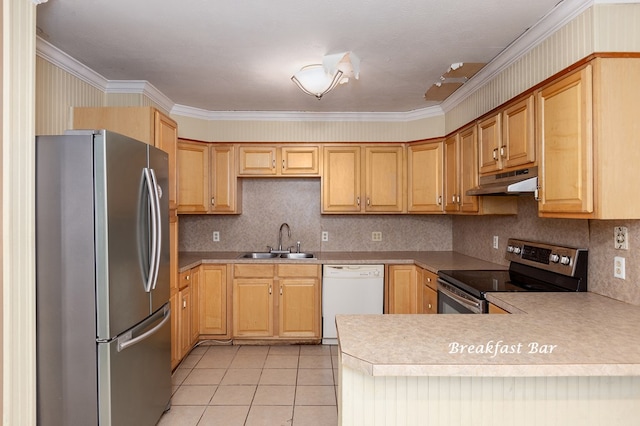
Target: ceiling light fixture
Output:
{"points": [[319, 79]]}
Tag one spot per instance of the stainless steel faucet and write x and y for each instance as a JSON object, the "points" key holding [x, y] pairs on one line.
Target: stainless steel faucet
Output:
{"points": [[280, 235]]}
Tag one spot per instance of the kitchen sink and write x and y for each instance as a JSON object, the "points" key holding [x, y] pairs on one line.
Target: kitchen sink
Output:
{"points": [[268, 255], [298, 255], [259, 255]]}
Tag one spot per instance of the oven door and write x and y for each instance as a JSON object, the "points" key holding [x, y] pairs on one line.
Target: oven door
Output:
{"points": [[452, 300]]}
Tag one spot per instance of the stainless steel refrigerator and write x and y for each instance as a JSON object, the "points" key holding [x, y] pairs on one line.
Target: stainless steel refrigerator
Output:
{"points": [[102, 274]]}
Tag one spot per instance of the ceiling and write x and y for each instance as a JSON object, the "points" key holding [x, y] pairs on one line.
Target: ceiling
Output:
{"points": [[229, 55]]}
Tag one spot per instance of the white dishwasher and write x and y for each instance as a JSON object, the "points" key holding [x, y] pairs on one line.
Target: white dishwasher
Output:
{"points": [[349, 289]]}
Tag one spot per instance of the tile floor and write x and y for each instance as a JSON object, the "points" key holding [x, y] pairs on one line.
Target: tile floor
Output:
{"points": [[255, 385]]}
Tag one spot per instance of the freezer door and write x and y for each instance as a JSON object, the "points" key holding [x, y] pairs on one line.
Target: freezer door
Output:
{"points": [[159, 165], [134, 373], [121, 236]]}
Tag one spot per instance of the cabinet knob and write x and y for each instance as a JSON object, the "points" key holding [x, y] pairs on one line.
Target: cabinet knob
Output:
{"points": [[283, 165], [368, 201], [495, 154], [273, 162], [188, 277], [429, 305], [358, 201], [503, 151], [270, 289], [280, 290], [213, 201], [439, 202]]}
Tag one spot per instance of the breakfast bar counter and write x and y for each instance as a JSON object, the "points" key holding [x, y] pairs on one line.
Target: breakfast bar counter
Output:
{"points": [[561, 358]]}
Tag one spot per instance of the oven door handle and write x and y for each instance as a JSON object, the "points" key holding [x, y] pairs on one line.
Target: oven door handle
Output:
{"points": [[474, 306]]}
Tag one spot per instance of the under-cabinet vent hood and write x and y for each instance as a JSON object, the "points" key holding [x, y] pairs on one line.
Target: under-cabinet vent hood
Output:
{"points": [[515, 182]]}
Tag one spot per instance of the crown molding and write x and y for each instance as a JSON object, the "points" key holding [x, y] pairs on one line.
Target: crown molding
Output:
{"points": [[187, 111], [140, 87], [559, 16], [57, 57]]}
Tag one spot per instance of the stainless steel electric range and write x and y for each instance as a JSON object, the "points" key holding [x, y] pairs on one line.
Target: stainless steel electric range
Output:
{"points": [[533, 266]]}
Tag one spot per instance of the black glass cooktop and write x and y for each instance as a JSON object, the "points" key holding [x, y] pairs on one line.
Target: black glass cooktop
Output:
{"points": [[478, 282]]}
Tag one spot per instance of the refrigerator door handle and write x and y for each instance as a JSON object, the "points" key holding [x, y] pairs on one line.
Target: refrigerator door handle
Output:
{"points": [[157, 194], [127, 340], [150, 181]]}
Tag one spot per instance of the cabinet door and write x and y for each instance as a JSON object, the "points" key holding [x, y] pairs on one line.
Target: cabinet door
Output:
{"points": [[490, 142], [213, 299], [300, 160], [451, 182], [468, 171], [403, 289], [424, 183], [253, 307], [299, 313], [341, 179], [257, 160], [193, 177], [223, 179], [566, 144], [166, 138], [518, 133], [384, 177]]}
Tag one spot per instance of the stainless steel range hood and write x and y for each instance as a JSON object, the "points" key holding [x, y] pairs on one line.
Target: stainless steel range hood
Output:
{"points": [[515, 182]]}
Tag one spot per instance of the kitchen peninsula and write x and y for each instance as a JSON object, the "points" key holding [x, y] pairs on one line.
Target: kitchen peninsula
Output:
{"points": [[563, 358]]}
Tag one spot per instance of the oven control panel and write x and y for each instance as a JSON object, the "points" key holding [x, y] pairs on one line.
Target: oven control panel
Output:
{"points": [[559, 259]]}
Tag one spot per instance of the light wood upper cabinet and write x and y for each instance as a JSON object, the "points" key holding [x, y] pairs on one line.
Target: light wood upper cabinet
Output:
{"points": [[589, 156], [265, 160], [376, 187], [213, 304], [506, 139], [566, 144], [384, 179], [518, 133], [491, 149], [424, 177], [341, 179], [206, 178], [461, 171]]}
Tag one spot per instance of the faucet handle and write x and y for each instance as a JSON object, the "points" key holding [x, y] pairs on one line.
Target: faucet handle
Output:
{"points": [[298, 247], [270, 249]]}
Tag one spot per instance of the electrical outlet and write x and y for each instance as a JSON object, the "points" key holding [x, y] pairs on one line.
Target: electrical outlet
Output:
{"points": [[621, 238], [325, 235], [216, 236], [376, 236], [495, 242], [619, 267]]}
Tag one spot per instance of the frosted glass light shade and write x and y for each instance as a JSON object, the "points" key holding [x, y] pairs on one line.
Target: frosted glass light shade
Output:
{"points": [[314, 80]]}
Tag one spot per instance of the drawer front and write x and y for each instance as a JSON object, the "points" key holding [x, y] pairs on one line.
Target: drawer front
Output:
{"points": [[289, 270], [253, 271]]}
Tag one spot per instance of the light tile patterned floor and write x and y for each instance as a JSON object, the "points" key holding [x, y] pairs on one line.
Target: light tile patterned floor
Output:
{"points": [[255, 385]]}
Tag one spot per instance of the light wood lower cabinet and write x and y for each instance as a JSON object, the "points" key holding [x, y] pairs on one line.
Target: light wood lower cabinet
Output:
{"points": [[184, 315], [411, 290], [276, 301], [429, 288], [493, 309], [402, 283], [213, 300]]}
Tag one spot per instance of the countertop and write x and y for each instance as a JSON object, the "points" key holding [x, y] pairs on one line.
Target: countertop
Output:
{"points": [[430, 260], [548, 334]]}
